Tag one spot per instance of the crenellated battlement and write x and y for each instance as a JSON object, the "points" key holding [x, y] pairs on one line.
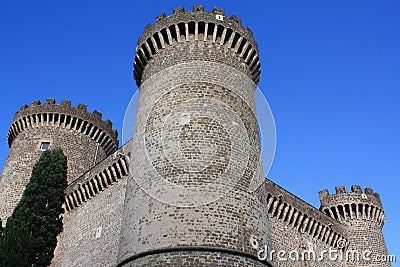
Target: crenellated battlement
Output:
{"points": [[96, 180], [64, 115], [356, 204], [197, 25], [296, 214]]}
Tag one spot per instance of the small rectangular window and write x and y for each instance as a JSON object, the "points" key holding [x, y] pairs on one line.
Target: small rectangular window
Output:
{"points": [[44, 146]]}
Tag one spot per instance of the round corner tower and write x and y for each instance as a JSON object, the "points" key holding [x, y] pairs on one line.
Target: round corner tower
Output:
{"points": [[196, 146], [84, 137], [363, 216]]}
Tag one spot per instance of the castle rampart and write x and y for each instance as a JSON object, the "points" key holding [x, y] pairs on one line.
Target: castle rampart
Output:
{"points": [[204, 66], [208, 29], [64, 115], [298, 226], [362, 215], [96, 180], [188, 189], [94, 207], [84, 137], [353, 205]]}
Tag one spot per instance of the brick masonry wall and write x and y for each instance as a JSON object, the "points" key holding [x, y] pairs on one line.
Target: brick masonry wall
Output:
{"points": [[78, 243], [213, 29], [24, 152], [100, 214], [362, 216], [297, 226], [290, 239], [151, 217], [84, 137], [228, 222]]}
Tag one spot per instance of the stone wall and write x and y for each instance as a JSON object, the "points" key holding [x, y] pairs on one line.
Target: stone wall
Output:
{"points": [[361, 214], [92, 222], [191, 187], [83, 136], [217, 32], [297, 226]]}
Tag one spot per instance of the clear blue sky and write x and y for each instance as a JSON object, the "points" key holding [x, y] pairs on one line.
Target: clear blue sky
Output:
{"points": [[330, 72]]}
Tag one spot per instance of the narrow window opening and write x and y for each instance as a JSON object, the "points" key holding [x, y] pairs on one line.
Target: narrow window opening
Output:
{"points": [[73, 122], [89, 128], [244, 41], [277, 208], [146, 52], [165, 36], [251, 57], [201, 29], [56, 117], [347, 210], [286, 218], [341, 211], [220, 29], [62, 118], [360, 210], [292, 217], [247, 51], [335, 215], [150, 43], [181, 27], [94, 187], [210, 31], [172, 30], [235, 39], [44, 146], [141, 57], [283, 211], [227, 36], [191, 26], [157, 39], [296, 222], [68, 120], [93, 132], [272, 205], [354, 210]]}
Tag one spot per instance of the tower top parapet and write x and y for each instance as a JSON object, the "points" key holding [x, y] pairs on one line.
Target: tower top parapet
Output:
{"points": [[193, 26], [356, 204], [65, 115], [355, 195]]}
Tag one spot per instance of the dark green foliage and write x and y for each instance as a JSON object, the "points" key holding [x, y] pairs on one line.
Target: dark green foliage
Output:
{"points": [[30, 235]]}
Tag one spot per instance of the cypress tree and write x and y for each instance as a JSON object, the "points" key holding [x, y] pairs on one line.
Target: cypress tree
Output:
{"points": [[30, 235]]}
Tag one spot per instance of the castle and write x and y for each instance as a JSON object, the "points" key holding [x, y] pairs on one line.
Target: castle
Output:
{"points": [[178, 193]]}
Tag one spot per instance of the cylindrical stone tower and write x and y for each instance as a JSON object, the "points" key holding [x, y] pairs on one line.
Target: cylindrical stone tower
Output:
{"points": [[362, 214], [196, 195], [84, 137]]}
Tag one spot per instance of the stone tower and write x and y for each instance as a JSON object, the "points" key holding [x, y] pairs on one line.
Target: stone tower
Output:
{"points": [[196, 195], [363, 216], [84, 137]]}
